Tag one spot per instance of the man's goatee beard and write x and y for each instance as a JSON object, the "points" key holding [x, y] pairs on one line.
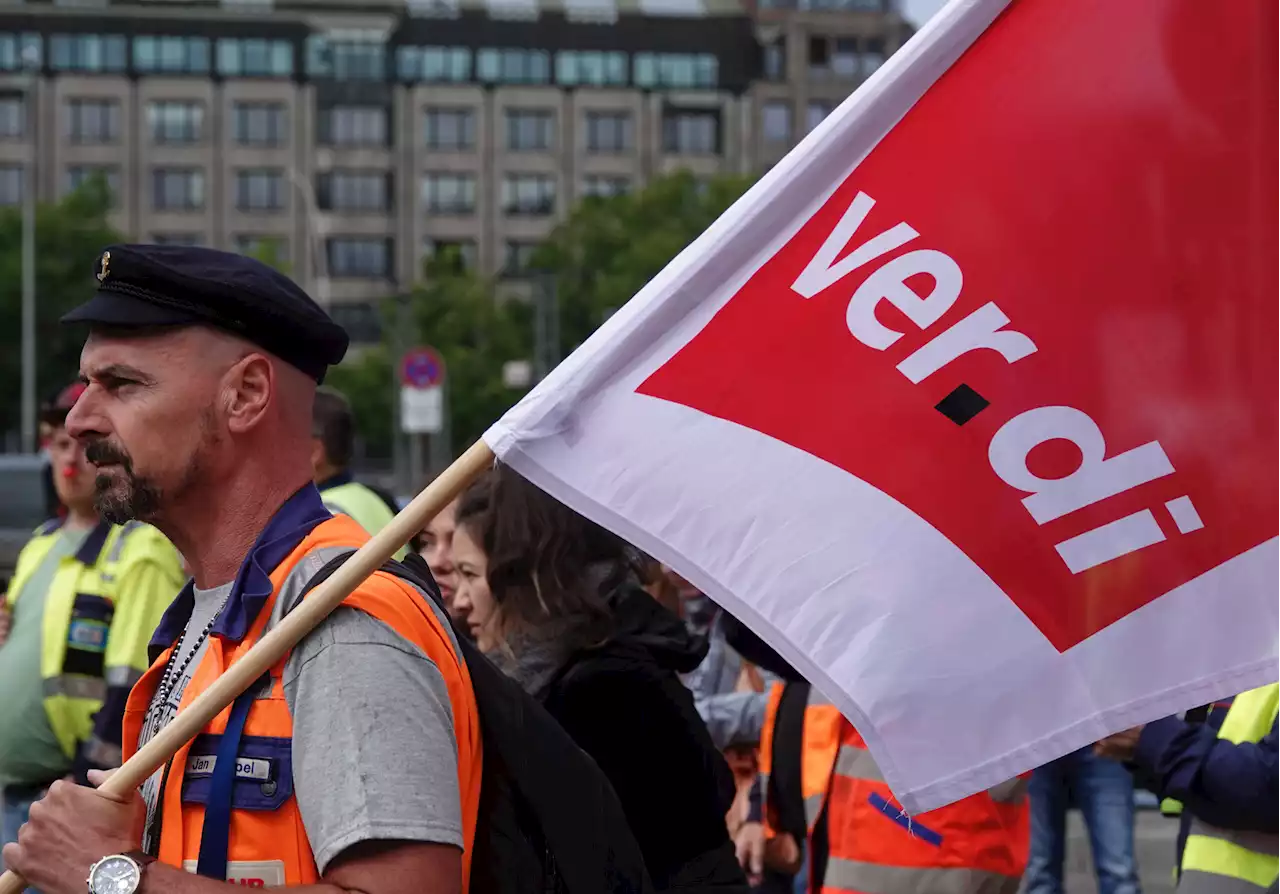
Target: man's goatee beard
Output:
{"points": [[139, 501]]}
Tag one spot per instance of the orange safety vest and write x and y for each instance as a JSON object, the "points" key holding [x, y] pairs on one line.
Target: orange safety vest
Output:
{"points": [[267, 845], [871, 846]]}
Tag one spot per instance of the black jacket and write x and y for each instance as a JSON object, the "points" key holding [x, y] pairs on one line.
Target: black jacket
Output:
{"points": [[624, 705]]}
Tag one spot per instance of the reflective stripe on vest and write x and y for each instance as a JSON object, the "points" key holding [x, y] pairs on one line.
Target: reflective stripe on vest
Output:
{"points": [[92, 636], [877, 878], [1221, 861], [265, 837], [978, 844]]}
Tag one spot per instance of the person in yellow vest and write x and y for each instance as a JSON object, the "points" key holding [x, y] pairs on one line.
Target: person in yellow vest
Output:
{"points": [[201, 368], [822, 789], [1226, 779], [74, 624], [333, 441]]}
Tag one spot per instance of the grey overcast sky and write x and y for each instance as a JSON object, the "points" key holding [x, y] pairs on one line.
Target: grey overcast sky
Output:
{"points": [[919, 11]]}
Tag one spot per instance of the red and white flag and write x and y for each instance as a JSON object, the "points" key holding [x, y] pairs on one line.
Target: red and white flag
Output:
{"points": [[969, 406]]}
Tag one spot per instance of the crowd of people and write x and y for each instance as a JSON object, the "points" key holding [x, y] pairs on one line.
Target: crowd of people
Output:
{"points": [[203, 486]]}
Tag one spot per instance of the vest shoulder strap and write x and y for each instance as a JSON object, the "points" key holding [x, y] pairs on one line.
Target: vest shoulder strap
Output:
{"points": [[787, 746]]}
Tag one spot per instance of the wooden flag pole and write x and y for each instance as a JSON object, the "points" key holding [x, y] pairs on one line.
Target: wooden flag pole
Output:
{"points": [[298, 623]]}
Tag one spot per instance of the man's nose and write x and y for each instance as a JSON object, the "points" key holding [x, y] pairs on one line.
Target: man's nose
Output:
{"points": [[80, 417]]}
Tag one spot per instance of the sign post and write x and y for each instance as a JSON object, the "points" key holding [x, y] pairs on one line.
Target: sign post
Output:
{"points": [[421, 403]]}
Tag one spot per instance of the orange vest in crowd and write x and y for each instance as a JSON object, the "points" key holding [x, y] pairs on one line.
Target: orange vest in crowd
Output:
{"points": [[266, 843], [859, 837]]}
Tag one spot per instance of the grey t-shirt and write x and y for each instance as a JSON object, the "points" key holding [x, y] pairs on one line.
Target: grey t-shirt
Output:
{"points": [[374, 752]]}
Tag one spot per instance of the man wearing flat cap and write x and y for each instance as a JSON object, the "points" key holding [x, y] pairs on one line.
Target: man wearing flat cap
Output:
{"points": [[200, 370]]}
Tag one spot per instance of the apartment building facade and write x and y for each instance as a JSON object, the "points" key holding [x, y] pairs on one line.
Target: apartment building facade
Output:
{"points": [[360, 138]]}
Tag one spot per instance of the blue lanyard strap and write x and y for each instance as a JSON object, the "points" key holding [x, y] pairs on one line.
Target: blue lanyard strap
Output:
{"points": [[216, 834]]}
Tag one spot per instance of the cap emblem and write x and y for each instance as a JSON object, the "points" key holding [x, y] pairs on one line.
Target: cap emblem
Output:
{"points": [[104, 266]]}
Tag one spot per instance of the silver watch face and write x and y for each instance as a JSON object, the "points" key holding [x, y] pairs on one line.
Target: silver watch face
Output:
{"points": [[114, 875]]}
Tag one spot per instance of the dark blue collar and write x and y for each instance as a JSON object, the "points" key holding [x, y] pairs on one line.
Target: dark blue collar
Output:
{"points": [[335, 481], [288, 527], [90, 547]]}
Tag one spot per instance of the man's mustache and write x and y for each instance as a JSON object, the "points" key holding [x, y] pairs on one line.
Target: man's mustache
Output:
{"points": [[104, 453]]}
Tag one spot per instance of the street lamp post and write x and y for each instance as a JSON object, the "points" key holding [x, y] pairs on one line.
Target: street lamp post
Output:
{"points": [[28, 420], [312, 213]]}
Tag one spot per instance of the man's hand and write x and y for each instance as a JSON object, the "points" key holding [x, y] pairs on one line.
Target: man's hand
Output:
{"points": [[70, 829], [1121, 746], [749, 844], [6, 621]]}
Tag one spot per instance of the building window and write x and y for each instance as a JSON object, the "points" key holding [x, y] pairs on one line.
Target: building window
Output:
{"points": [[353, 126], [517, 258], [691, 132], [177, 189], [846, 62], [513, 66], [345, 60], [19, 52], [609, 132], [354, 191], [260, 189], [260, 123], [356, 256], [456, 254], [775, 61], [11, 184], [13, 117], [528, 194], [604, 186], [434, 65], [681, 71], [88, 52], [78, 175], [175, 121], [814, 113], [775, 121], [92, 121], [578, 68], [873, 56], [449, 194], [529, 131], [450, 130], [255, 58], [177, 238], [171, 55]]}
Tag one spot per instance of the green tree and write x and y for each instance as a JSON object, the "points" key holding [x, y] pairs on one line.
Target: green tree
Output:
{"points": [[459, 314], [366, 380], [270, 251], [610, 247], [70, 237]]}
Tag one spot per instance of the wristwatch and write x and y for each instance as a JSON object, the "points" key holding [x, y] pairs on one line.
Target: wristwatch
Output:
{"points": [[118, 873]]}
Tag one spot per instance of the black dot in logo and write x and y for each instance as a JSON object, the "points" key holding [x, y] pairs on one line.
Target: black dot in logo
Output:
{"points": [[962, 405]]}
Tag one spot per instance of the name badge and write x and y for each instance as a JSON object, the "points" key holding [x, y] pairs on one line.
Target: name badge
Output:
{"points": [[246, 767], [249, 873], [87, 635]]}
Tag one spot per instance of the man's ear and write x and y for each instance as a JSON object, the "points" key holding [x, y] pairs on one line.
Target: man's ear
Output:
{"points": [[250, 386]]}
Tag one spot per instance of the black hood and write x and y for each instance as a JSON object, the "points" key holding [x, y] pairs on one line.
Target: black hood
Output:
{"points": [[641, 620]]}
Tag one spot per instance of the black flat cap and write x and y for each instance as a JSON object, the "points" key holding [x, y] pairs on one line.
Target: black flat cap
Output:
{"points": [[153, 286]]}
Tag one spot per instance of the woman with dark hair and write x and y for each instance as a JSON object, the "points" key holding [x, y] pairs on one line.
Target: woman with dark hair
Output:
{"points": [[555, 601]]}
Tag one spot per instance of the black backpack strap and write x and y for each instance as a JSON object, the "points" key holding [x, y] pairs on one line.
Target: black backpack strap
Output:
{"points": [[412, 568], [785, 789]]}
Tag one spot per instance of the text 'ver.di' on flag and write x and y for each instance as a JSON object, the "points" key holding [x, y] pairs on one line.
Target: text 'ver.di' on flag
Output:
{"points": [[969, 406]]}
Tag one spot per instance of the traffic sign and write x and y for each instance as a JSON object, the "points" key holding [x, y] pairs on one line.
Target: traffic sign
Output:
{"points": [[422, 368], [422, 410]]}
